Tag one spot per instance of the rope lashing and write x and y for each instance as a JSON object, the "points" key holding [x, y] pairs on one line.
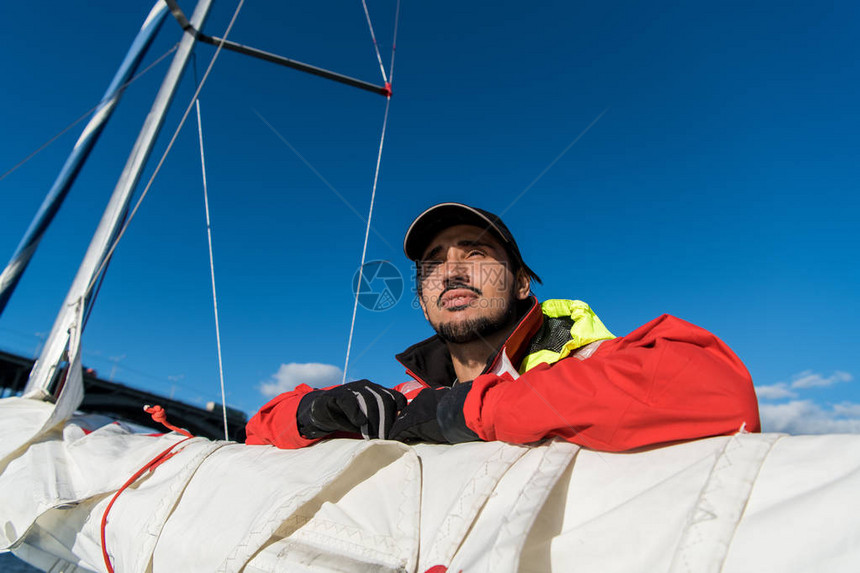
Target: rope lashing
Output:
{"points": [[159, 415]]}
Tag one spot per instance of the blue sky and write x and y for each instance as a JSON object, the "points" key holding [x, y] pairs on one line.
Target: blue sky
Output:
{"points": [[695, 160]]}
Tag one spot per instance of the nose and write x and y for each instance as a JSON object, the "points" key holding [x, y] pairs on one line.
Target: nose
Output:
{"points": [[456, 269]]}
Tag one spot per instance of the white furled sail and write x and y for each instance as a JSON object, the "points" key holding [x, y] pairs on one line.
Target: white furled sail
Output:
{"points": [[765, 502]]}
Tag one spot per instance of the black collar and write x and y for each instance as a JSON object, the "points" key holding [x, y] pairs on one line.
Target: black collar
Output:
{"points": [[430, 362]]}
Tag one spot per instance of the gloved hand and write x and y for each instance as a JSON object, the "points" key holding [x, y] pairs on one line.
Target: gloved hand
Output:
{"points": [[417, 422], [358, 407], [435, 415]]}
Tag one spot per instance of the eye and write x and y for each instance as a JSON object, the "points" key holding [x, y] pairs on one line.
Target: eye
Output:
{"points": [[428, 266], [475, 253]]}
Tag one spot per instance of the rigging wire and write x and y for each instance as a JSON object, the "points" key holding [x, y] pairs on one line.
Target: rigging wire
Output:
{"points": [[366, 236], [212, 269], [99, 272], [211, 256], [375, 45], [375, 177], [86, 114], [182, 121], [161, 161], [394, 43]]}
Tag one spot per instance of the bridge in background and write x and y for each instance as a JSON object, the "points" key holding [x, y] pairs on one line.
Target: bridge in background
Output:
{"points": [[126, 404]]}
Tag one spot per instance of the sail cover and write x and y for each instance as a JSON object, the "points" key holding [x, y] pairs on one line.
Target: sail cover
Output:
{"points": [[765, 502]]}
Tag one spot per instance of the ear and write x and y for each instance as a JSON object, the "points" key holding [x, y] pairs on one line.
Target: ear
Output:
{"points": [[522, 285]]}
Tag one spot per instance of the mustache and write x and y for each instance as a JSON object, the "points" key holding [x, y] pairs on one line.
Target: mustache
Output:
{"points": [[454, 286]]}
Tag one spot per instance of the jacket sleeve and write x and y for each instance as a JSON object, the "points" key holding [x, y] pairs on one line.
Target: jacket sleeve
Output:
{"points": [[667, 380], [275, 423]]}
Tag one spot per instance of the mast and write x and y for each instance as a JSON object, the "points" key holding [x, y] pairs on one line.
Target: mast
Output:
{"points": [[43, 381], [54, 199], [62, 342]]}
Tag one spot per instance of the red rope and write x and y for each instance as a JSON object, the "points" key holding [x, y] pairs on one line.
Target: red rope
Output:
{"points": [[158, 414]]}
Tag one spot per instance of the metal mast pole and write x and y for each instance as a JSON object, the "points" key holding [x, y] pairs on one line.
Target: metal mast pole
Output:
{"points": [[42, 382], [54, 199]]}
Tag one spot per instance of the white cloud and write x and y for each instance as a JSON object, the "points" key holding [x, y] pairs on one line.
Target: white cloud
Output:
{"points": [[800, 381], [807, 417], [801, 415], [810, 379], [290, 375], [774, 392], [847, 409]]}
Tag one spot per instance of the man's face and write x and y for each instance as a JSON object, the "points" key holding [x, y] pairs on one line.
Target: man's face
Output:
{"points": [[468, 291]]}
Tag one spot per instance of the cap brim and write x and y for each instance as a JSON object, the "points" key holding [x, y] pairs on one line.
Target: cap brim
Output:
{"points": [[438, 218]]}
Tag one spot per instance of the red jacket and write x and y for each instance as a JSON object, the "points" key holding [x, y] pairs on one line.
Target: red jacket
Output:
{"points": [[668, 380]]}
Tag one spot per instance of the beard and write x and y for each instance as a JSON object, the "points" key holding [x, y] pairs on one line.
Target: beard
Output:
{"points": [[461, 332]]}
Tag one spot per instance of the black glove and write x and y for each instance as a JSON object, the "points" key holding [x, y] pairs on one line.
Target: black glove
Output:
{"points": [[435, 415], [417, 422], [358, 407]]}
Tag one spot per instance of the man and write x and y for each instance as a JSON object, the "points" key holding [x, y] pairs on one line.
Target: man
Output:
{"points": [[504, 367]]}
